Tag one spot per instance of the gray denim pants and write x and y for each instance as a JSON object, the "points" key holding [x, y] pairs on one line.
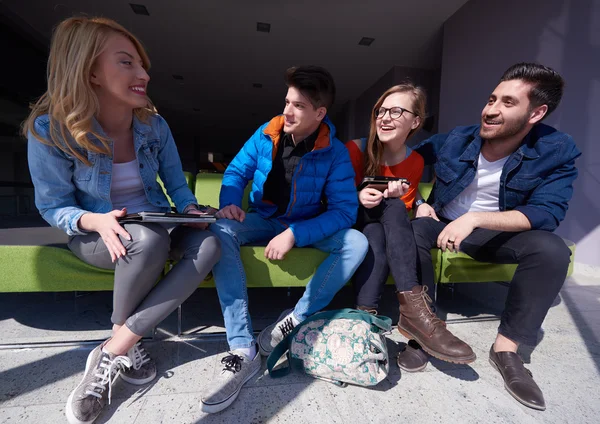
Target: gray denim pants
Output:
{"points": [[138, 300]]}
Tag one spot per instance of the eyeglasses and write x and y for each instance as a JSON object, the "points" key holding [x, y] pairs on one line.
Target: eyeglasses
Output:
{"points": [[395, 112]]}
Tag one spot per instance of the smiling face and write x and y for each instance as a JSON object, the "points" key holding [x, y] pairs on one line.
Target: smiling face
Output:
{"points": [[391, 130], [118, 74], [508, 112]]}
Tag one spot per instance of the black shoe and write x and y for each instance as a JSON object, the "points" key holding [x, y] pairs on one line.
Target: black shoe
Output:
{"points": [[518, 380], [412, 358]]}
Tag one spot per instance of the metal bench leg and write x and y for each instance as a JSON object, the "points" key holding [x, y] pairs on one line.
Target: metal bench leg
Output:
{"points": [[179, 309]]}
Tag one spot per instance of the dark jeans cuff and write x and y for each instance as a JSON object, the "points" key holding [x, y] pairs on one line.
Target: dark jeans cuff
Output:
{"points": [[529, 340]]}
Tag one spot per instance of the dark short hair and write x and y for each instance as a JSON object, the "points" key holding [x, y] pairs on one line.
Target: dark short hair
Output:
{"points": [[547, 83], [314, 82]]}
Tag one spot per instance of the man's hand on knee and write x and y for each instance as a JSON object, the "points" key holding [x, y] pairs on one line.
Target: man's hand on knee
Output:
{"points": [[425, 210], [232, 212], [454, 233]]}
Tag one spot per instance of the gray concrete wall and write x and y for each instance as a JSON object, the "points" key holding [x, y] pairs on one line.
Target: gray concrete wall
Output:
{"points": [[485, 37]]}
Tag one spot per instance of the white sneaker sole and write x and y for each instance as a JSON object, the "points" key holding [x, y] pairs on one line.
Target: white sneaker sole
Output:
{"points": [[218, 407]]}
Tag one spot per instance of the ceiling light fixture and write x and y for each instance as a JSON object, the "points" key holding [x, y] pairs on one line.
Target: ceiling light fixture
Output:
{"points": [[366, 41], [139, 9], [263, 27]]}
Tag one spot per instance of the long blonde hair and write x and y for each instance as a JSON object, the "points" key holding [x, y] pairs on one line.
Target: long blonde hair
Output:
{"points": [[374, 146], [70, 100]]}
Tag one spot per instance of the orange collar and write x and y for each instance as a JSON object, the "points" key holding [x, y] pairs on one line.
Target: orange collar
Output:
{"points": [[274, 127]]}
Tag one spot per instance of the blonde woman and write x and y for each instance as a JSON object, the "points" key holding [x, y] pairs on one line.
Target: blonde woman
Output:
{"points": [[383, 218], [95, 146]]}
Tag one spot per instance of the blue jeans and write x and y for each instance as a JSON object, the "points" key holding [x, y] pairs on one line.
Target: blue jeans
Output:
{"points": [[347, 249]]}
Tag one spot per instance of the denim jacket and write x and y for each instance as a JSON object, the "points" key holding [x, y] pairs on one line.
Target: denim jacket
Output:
{"points": [[66, 188], [537, 179]]}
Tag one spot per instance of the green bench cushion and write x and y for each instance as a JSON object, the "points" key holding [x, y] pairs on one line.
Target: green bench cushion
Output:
{"points": [[37, 260], [48, 269], [189, 177], [461, 268]]}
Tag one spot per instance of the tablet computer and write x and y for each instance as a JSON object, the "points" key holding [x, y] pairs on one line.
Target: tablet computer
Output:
{"points": [[168, 217], [379, 182]]}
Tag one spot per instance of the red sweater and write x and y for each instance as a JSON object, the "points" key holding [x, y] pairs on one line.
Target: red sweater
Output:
{"points": [[410, 168]]}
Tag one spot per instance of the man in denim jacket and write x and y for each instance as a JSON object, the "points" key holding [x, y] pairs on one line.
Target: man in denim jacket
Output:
{"points": [[302, 194], [501, 188]]}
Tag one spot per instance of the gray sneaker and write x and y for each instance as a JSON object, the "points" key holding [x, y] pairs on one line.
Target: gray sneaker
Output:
{"points": [[143, 368], [276, 332], [237, 370], [89, 398]]}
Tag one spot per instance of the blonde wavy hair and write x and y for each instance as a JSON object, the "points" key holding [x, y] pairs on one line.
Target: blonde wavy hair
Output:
{"points": [[70, 100], [374, 146]]}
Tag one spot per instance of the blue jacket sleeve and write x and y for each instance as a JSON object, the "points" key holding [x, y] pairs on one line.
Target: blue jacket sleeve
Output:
{"points": [[239, 172], [52, 173], [342, 203], [548, 204]]}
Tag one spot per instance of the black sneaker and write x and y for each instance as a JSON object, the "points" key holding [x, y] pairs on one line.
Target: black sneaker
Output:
{"points": [[276, 332]]}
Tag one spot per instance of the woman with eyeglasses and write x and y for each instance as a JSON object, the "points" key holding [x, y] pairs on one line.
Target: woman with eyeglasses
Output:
{"points": [[383, 218]]}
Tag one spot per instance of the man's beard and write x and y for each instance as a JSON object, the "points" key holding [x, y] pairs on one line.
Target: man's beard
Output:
{"points": [[507, 131]]}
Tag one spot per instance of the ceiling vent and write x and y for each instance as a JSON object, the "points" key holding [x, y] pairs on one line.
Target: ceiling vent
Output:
{"points": [[178, 77], [263, 27], [257, 85], [139, 9], [366, 41]]}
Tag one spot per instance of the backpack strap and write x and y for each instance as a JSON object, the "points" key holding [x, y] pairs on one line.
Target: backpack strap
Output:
{"points": [[382, 323]]}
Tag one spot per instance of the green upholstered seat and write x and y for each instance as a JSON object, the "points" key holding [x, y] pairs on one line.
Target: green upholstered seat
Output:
{"points": [[48, 269], [37, 260], [461, 268], [299, 264], [189, 177]]}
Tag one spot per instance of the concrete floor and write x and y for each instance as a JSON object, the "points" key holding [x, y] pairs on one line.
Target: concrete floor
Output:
{"points": [[35, 382]]}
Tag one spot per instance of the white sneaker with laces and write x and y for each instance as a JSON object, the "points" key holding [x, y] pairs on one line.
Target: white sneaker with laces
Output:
{"points": [[225, 388], [276, 332]]}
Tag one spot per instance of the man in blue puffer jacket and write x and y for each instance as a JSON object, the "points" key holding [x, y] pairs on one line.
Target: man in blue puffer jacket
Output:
{"points": [[302, 194]]}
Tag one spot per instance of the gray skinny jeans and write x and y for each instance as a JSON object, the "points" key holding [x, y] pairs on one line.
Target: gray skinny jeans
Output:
{"points": [[138, 300]]}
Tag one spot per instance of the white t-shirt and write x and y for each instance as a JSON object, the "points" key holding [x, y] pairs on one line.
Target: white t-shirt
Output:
{"points": [[127, 188], [483, 192]]}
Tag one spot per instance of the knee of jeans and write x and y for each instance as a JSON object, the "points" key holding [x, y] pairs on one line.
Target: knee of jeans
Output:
{"points": [[356, 242], [210, 250], [420, 229], [548, 246], [395, 204], [223, 230], [151, 241]]}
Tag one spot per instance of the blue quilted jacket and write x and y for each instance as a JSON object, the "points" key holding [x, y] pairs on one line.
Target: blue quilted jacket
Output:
{"points": [[323, 198]]}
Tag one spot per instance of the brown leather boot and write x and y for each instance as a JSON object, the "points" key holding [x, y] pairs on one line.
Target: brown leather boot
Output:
{"points": [[417, 321], [372, 311]]}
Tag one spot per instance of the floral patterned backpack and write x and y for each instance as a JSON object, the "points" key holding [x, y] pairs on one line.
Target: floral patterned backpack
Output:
{"points": [[345, 346]]}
